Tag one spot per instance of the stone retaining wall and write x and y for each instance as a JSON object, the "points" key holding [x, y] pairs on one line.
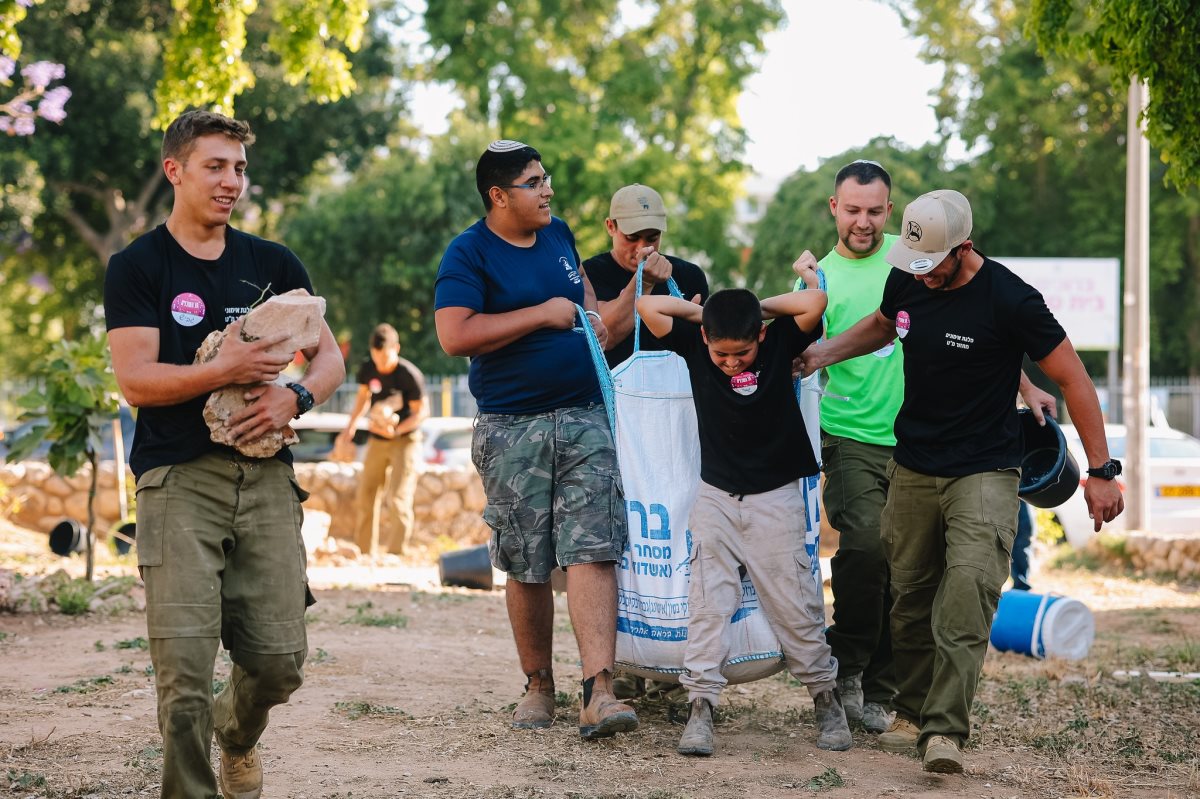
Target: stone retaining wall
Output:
{"points": [[448, 502], [1162, 554]]}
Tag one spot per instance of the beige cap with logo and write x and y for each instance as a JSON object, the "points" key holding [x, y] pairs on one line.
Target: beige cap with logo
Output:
{"points": [[636, 208], [934, 224]]}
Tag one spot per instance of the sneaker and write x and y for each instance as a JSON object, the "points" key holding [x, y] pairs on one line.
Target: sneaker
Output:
{"points": [[697, 738], [942, 755], [851, 693], [602, 714], [832, 730], [535, 711], [900, 736], [241, 775], [875, 717]]}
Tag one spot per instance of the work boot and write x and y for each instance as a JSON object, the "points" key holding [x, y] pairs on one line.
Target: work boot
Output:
{"points": [[697, 738], [875, 717], [942, 755], [602, 715], [851, 693], [901, 736], [535, 711], [241, 775], [833, 732]]}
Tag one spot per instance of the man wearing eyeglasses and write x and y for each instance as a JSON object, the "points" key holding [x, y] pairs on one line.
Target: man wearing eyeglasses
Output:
{"points": [[506, 296], [637, 220]]}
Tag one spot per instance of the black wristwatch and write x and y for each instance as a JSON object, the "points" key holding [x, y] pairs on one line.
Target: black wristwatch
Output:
{"points": [[304, 399], [1110, 469]]}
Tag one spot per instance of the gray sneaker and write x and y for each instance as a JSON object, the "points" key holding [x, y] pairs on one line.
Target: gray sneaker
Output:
{"points": [[875, 717], [851, 693]]}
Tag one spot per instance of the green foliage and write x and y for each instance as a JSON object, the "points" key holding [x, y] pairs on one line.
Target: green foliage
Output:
{"points": [[78, 396], [73, 597], [609, 103], [87, 685], [133, 643], [23, 780], [1151, 40], [827, 780], [11, 13], [376, 242], [358, 709]]}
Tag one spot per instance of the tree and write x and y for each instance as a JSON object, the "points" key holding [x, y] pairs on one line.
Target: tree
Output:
{"points": [[96, 182], [78, 399], [1151, 40], [610, 101], [376, 242]]}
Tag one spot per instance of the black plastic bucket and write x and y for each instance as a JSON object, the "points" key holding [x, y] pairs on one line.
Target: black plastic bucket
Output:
{"points": [[124, 536], [67, 537], [1049, 473], [469, 568]]}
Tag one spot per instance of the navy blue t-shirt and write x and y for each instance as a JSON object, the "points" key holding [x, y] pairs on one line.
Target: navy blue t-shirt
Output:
{"points": [[546, 369]]}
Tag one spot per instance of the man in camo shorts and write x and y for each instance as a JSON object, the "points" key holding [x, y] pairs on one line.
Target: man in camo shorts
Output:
{"points": [[506, 296]]}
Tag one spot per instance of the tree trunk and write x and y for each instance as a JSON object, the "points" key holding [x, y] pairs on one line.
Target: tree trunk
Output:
{"points": [[90, 537]]}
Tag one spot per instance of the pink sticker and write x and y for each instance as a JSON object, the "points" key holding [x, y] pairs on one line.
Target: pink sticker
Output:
{"points": [[375, 385], [746, 383], [187, 309], [903, 324]]}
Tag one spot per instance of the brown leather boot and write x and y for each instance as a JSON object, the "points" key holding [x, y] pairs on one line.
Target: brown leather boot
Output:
{"points": [[602, 714], [536, 709]]}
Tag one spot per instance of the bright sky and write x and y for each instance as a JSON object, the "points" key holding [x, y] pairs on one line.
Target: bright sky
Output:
{"points": [[840, 73]]}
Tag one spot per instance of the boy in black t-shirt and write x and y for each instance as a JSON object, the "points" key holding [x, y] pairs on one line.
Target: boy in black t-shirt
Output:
{"points": [[749, 511]]}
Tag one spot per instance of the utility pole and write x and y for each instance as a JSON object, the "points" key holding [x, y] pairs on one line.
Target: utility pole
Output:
{"points": [[1136, 306]]}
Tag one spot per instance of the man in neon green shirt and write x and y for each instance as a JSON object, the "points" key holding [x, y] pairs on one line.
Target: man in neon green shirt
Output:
{"points": [[862, 398]]}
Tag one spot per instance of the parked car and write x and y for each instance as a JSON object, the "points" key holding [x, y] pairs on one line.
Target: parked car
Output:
{"points": [[448, 440], [42, 450], [1174, 483], [319, 429]]}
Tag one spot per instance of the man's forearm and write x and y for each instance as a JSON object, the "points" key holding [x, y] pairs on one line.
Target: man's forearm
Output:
{"points": [[866, 335]]}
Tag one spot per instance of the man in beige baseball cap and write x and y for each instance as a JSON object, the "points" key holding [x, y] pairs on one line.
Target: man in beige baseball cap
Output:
{"points": [[637, 220], [934, 224], [965, 322]]}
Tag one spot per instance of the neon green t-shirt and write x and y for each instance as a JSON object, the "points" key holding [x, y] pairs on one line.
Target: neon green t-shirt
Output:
{"points": [[874, 383]]}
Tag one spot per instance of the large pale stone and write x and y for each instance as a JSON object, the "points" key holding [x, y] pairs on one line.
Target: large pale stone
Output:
{"points": [[55, 486], [75, 506], [445, 506], [473, 497], [297, 313]]}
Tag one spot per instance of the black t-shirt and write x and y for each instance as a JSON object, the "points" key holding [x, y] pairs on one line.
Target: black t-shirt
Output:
{"points": [[406, 380], [962, 367], [752, 439], [609, 279], [154, 282]]}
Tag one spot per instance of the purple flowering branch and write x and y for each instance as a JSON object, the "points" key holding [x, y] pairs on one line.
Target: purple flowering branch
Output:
{"points": [[18, 115]]}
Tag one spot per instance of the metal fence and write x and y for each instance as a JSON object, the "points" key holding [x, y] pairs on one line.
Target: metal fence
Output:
{"points": [[447, 396]]}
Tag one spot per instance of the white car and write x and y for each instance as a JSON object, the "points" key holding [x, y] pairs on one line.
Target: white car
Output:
{"points": [[319, 429], [1174, 483], [448, 440]]}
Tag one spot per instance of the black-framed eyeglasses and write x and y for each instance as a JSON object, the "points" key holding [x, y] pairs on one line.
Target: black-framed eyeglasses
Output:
{"points": [[534, 184]]}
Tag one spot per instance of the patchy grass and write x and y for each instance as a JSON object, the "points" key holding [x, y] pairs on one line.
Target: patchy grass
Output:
{"points": [[88, 685], [827, 780], [358, 709], [23, 780], [139, 643], [365, 616]]}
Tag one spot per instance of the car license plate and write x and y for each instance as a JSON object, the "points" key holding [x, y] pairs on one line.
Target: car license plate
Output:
{"points": [[1179, 491]]}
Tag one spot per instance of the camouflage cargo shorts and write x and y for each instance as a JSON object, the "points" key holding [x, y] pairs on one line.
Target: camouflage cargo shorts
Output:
{"points": [[553, 490]]}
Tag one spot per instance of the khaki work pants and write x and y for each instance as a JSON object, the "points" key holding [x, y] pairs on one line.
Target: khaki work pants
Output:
{"points": [[220, 551], [765, 534], [388, 481], [948, 541]]}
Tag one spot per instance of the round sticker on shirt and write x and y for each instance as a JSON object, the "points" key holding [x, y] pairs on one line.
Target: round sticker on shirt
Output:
{"points": [[745, 384], [187, 309], [886, 349], [375, 385], [903, 324]]}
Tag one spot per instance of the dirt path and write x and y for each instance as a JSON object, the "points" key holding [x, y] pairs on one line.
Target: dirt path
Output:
{"points": [[408, 693]]}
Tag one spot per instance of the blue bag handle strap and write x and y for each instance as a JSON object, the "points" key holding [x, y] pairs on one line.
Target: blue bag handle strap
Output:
{"points": [[603, 375], [672, 287]]}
